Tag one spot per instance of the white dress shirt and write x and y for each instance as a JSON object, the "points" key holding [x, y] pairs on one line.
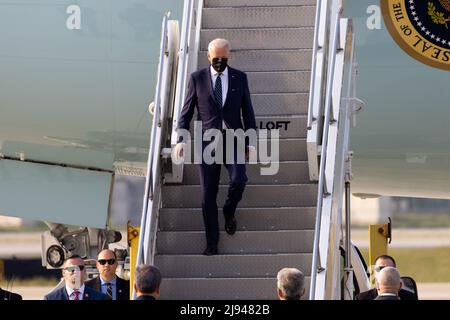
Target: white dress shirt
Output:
{"points": [[224, 78], [104, 287], [388, 294], [70, 291]]}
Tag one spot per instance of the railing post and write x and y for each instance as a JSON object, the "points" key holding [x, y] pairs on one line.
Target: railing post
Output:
{"points": [[149, 188], [313, 66], [316, 267]]}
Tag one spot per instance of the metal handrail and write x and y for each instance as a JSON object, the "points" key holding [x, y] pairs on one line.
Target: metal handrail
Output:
{"points": [[316, 267], [312, 87], [190, 43], [182, 67], [148, 192]]}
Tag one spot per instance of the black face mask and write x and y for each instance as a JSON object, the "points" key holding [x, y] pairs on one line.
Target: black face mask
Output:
{"points": [[219, 64]]}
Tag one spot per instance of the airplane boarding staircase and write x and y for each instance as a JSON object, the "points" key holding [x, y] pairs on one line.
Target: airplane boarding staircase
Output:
{"points": [[281, 48]]}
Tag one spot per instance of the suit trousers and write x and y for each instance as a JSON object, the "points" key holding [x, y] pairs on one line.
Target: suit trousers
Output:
{"points": [[209, 179]]}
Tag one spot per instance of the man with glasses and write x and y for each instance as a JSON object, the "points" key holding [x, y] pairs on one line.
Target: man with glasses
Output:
{"points": [[108, 282], [381, 262], [74, 274]]}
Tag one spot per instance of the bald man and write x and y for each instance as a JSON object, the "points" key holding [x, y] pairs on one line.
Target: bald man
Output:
{"points": [[108, 282], [388, 283], [380, 263]]}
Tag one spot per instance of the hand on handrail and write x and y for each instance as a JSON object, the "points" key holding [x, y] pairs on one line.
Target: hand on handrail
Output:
{"points": [[178, 152]]}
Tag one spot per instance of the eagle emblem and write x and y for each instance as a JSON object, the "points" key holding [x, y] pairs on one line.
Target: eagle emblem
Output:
{"points": [[445, 4], [439, 17]]}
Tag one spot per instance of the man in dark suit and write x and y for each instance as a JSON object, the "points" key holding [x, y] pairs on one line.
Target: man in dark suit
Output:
{"points": [[380, 263], [108, 282], [7, 295], [147, 282], [388, 284], [220, 94], [74, 273]]}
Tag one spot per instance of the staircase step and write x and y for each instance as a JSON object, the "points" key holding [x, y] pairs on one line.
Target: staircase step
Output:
{"points": [[258, 17], [293, 126], [267, 38], [293, 195], [265, 60], [259, 3], [279, 82], [230, 266], [288, 126], [251, 219], [289, 172], [289, 149], [244, 242], [222, 289], [280, 103]]}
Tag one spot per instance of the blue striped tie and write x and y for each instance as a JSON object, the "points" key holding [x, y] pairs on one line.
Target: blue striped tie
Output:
{"points": [[109, 290], [218, 90]]}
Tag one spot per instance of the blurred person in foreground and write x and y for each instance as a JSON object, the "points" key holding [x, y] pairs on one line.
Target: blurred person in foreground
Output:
{"points": [[8, 295], [388, 284], [147, 282], [290, 284]]}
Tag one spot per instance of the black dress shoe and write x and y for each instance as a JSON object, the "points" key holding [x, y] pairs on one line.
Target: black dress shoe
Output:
{"points": [[210, 251], [230, 225]]}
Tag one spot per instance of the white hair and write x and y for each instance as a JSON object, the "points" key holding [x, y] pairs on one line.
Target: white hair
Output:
{"points": [[291, 282], [218, 43]]}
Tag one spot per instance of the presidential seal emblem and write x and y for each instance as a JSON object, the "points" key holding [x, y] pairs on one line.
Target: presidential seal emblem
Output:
{"points": [[421, 28]]}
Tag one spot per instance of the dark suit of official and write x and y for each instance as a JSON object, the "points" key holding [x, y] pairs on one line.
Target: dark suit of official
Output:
{"points": [[7, 295], [146, 297], [373, 293], [88, 294], [200, 97], [122, 287], [386, 298]]}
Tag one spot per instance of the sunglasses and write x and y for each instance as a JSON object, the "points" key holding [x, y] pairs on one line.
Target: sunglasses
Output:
{"points": [[74, 268], [104, 261]]}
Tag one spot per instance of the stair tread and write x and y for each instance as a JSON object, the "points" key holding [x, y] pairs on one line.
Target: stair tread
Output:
{"points": [[258, 17], [269, 3], [264, 29], [241, 209]]}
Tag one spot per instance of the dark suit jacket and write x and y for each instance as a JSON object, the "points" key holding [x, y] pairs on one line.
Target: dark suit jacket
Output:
{"points": [[152, 298], [200, 95], [396, 298], [122, 287], [7, 295], [89, 294], [373, 293]]}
